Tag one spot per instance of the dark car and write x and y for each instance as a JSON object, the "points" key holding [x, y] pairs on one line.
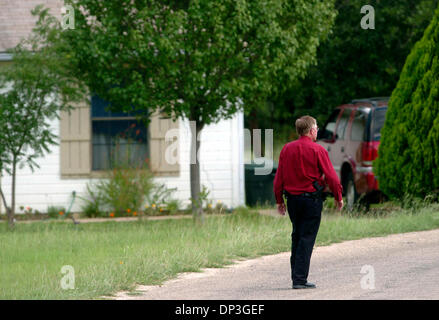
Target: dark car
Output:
{"points": [[352, 136]]}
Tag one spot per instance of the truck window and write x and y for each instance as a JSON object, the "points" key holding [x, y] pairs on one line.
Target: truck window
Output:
{"points": [[379, 117], [358, 126], [342, 124], [328, 132]]}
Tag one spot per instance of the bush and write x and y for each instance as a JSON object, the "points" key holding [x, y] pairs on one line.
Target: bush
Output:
{"points": [[55, 212], [159, 201], [92, 206], [128, 189], [220, 207], [173, 206], [125, 189], [202, 198], [408, 157]]}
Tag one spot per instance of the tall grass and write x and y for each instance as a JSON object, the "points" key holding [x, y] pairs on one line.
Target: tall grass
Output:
{"points": [[108, 257], [113, 256], [381, 220]]}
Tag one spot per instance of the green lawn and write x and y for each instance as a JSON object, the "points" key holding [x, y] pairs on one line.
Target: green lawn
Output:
{"points": [[112, 256]]}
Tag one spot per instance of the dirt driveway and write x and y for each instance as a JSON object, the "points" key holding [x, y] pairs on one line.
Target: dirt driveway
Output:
{"points": [[400, 266]]}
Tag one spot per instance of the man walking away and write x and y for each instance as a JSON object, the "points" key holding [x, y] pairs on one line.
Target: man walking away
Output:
{"points": [[304, 166]]}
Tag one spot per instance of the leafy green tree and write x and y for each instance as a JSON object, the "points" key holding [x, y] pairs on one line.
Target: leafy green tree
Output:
{"points": [[353, 62], [201, 60], [408, 157], [33, 89]]}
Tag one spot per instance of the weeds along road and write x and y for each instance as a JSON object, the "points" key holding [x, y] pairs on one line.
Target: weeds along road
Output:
{"points": [[399, 266]]}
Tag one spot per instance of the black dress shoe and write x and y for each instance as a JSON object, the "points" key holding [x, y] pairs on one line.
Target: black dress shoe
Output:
{"points": [[307, 285]]}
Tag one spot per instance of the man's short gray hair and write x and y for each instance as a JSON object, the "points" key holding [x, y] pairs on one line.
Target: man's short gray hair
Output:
{"points": [[304, 125]]}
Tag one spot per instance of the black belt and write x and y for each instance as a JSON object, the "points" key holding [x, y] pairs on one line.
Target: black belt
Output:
{"points": [[305, 194]]}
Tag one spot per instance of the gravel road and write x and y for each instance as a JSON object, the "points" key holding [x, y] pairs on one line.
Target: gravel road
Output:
{"points": [[399, 266]]}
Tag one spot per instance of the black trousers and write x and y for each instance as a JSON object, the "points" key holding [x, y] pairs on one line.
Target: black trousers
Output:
{"points": [[305, 215]]}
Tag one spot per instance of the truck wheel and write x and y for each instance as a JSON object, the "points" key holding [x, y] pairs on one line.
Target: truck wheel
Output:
{"points": [[351, 193]]}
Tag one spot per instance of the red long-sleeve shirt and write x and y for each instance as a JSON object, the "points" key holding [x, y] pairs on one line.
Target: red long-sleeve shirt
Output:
{"points": [[300, 163]]}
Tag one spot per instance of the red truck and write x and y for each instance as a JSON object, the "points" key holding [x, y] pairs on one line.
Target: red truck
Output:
{"points": [[352, 136]]}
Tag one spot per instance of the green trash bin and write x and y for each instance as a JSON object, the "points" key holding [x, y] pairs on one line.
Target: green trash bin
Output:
{"points": [[259, 188]]}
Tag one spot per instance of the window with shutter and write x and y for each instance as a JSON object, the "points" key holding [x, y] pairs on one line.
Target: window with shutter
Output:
{"points": [[163, 153], [93, 139], [75, 141], [117, 138]]}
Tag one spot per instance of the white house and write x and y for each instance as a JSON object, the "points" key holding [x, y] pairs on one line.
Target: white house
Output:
{"points": [[80, 155], [68, 167]]}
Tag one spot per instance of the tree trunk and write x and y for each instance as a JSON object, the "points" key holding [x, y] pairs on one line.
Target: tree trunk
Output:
{"points": [[253, 120], [11, 210], [4, 202], [197, 205]]}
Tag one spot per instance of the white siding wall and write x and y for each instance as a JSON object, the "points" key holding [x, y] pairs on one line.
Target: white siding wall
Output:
{"points": [[222, 171]]}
